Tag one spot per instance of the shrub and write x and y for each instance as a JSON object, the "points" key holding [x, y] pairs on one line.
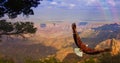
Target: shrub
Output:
{"points": [[2, 60], [90, 60], [46, 60], [108, 58]]}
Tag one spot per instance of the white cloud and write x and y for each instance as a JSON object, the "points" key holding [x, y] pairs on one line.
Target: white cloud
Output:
{"points": [[112, 2], [78, 0], [54, 3], [63, 4], [72, 6], [90, 2], [49, 7]]}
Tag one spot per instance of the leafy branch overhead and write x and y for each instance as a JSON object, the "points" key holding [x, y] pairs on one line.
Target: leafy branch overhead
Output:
{"points": [[9, 28], [12, 8]]}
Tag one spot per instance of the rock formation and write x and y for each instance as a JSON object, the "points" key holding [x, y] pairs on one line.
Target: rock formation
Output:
{"points": [[110, 43]]}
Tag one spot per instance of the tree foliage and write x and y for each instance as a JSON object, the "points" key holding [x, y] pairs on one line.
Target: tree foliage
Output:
{"points": [[9, 28], [12, 8]]}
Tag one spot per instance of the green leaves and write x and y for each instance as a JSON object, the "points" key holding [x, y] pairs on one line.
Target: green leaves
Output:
{"points": [[9, 28], [24, 27], [12, 8], [6, 26]]}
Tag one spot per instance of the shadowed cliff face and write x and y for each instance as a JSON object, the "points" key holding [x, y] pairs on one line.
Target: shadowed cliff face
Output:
{"points": [[108, 27], [110, 43], [101, 33], [108, 31], [21, 50]]}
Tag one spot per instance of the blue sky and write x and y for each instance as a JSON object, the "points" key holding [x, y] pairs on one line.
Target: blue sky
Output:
{"points": [[77, 10]]}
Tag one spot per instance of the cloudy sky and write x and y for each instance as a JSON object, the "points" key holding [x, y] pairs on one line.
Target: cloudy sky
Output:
{"points": [[77, 10]]}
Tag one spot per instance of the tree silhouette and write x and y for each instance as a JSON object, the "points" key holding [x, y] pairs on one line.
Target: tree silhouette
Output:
{"points": [[12, 8], [17, 28]]}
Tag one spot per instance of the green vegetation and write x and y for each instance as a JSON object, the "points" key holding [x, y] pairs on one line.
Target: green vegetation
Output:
{"points": [[12, 8], [90, 60], [3, 60], [46, 60], [108, 58], [16, 28], [105, 58]]}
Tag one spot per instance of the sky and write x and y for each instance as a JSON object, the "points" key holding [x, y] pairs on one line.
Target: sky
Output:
{"points": [[77, 10]]}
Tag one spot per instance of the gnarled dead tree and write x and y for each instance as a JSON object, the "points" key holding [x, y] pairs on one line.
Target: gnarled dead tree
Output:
{"points": [[82, 46]]}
